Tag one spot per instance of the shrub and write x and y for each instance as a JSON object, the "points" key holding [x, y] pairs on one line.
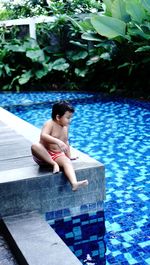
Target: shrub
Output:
{"points": [[106, 51]]}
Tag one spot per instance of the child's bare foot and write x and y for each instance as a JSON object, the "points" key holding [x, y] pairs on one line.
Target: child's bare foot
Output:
{"points": [[79, 184], [55, 168]]}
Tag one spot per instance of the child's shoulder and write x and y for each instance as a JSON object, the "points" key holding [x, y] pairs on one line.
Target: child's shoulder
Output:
{"points": [[48, 122]]}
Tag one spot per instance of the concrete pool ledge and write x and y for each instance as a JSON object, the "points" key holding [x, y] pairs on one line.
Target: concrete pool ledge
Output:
{"points": [[27, 192], [26, 187]]}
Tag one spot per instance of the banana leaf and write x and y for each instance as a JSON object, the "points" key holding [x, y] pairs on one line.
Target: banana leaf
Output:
{"points": [[108, 26]]}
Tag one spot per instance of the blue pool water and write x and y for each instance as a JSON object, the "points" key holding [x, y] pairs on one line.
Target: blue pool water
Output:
{"points": [[117, 133]]}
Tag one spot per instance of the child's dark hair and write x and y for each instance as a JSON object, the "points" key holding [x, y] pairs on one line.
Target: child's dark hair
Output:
{"points": [[60, 108]]}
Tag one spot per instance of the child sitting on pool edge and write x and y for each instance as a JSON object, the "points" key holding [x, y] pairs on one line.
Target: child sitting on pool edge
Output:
{"points": [[53, 148]]}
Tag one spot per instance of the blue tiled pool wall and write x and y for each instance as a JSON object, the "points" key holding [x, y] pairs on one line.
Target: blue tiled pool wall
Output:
{"points": [[117, 134], [90, 218], [84, 235], [74, 211]]}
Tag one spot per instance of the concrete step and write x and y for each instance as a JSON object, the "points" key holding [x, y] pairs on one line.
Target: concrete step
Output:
{"points": [[34, 242]]}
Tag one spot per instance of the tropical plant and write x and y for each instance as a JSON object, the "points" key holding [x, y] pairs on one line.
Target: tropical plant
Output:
{"points": [[22, 8], [125, 25], [70, 7], [107, 50], [28, 8]]}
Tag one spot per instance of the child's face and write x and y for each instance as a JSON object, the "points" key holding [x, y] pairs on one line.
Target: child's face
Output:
{"points": [[65, 119]]}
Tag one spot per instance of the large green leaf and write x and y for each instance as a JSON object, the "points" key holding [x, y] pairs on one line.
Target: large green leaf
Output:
{"points": [[146, 27], [146, 4], [138, 32], [75, 23], [105, 56], [145, 48], [93, 60], [108, 26], [91, 36], [60, 65], [124, 65], [119, 10], [1, 70], [30, 44], [42, 72], [14, 48], [86, 24], [36, 55], [135, 10], [8, 70], [108, 5], [81, 72], [79, 56], [79, 44], [25, 77]]}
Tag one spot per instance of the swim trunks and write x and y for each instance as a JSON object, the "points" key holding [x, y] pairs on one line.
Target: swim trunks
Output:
{"points": [[53, 155]]}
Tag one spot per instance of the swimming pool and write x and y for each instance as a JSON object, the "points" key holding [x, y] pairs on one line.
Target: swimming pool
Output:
{"points": [[115, 132]]}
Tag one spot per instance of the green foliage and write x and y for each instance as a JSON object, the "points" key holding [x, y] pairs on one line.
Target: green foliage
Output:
{"points": [[35, 63], [29, 8], [135, 10], [60, 65], [5, 14], [118, 10], [107, 50], [73, 7], [21, 9], [102, 25], [127, 24]]}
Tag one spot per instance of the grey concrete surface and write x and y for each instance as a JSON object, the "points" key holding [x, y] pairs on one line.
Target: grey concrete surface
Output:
{"points": [[25, 187], [35, 242]]}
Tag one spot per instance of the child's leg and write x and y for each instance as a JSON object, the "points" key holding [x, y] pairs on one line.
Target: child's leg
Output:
{"points": [[67, 166], [39, 151]]}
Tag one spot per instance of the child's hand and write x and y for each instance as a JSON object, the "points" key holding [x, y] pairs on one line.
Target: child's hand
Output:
{"points": [[63, 147], [74, 157]]}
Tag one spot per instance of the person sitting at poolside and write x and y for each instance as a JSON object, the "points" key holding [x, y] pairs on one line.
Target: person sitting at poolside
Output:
{"points": [[53, 148]]}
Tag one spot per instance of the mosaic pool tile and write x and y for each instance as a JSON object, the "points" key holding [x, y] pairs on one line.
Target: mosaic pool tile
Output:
{"points": [[115, 132], [83, 233]]}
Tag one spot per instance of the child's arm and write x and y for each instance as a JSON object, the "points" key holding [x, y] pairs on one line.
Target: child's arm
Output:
{"points": [[68, 153], [47, 138]]}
